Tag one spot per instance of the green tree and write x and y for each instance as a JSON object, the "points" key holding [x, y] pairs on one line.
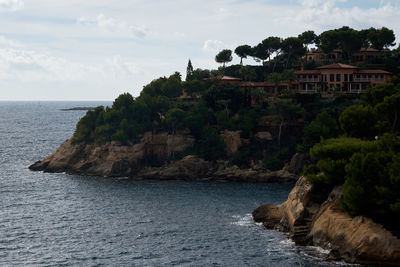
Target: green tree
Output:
{"points": [[373, 183], [274, 45], [287, 110], [189, 71], [210, 145], [224, 56], [260, 52], [292, 48], [172, 87], [307, 38], [323, 126], [85, 128], [243, 51], [391, 107], [194, 87], [359, 121], [381, 38], [175, 119]]}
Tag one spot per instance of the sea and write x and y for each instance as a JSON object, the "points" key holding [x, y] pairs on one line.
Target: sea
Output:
{"points": [[55, 219]]}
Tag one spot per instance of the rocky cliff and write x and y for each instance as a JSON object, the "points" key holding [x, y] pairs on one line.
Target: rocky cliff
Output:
{"points": [[311, 220], [136, 161], [112, 159]]}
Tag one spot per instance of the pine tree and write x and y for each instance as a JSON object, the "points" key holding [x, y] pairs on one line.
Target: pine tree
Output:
{"points": [[189, 71]]}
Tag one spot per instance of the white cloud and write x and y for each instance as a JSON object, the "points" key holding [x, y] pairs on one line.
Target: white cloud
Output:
{"points": [[113, 25], [122, 66], [5, 42], [213, 45], [28, 65], [11, 5]]}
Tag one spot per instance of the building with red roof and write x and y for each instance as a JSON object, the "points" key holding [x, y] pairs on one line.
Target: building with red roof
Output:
{"points": [[341, 77]]}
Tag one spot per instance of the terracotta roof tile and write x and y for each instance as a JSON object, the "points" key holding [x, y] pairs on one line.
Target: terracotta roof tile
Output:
{"points": [[374, 71], [337, 66]]}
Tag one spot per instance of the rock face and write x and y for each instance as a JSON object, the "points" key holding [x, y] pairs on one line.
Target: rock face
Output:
{"points": [[232, 141], [297, 163], [112, 159], [193, 168], [356, 240]]}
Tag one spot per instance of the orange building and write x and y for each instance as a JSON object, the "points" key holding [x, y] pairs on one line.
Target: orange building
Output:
{"points": [[340, 77]]}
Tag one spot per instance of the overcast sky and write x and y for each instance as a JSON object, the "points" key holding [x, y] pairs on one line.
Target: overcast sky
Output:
{"points": [[98, 49]]}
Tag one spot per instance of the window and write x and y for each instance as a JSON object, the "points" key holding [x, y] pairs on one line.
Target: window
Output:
{"points": [[351, 77], [358, 76], [309, 76], [381, 76], [376, 76], [304, 76], [331, 85], [332, 77], [315, 76], [345, 77], [364, 86], [309, 87], [338, 85], [370, 76], [338, 77]]}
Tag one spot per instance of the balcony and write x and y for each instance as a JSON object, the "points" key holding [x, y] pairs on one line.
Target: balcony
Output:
{"points": [[373, 79], [309, 80]]}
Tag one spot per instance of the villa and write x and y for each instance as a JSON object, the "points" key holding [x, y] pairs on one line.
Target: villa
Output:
{"points": [[339, 77]]}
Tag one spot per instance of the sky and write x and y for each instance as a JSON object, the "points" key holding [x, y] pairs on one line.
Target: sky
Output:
{"points": [[98, 49]]}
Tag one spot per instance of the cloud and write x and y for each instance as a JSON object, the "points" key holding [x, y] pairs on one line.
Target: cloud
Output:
{"points": [[113, 25], [213, 45], [11, 5], [29, 65], [5, 42], [122, 66]]}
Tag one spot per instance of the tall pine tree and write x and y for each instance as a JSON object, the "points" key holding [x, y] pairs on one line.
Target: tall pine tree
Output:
{"points": [[189, 71]]}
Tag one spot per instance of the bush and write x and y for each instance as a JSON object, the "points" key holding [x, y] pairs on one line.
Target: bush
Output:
{"points": [[331, 156], [373, 183]]}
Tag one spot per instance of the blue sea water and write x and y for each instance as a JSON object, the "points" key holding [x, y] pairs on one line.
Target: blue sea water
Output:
{"points": [[67, 220]]}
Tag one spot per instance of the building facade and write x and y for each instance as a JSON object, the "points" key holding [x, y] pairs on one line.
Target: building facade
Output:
{"points": [[339, 78]]}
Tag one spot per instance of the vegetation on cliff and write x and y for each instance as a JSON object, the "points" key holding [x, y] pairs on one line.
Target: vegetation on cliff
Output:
{"points": [[366, 158]]}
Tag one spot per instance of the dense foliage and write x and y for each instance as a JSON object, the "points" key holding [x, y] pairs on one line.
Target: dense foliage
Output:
{"points": [[366, 158]]}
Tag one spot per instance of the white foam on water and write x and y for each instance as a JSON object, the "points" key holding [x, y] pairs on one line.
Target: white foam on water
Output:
{"points": [[245, 220]]}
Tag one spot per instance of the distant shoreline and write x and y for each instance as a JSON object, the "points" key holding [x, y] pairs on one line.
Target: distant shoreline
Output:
{"points": [[77, 108]]}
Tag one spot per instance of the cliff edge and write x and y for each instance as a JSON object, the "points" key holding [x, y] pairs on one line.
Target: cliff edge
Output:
{"points": [[151, 159], [309, 220]]}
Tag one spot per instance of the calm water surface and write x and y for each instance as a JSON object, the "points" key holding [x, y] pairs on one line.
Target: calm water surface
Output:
{"points": [[66, 220]]}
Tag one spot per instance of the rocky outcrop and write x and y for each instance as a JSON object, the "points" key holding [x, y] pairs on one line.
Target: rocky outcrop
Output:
{"points": [[310, 222], [194, 168], [112, 159]]}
